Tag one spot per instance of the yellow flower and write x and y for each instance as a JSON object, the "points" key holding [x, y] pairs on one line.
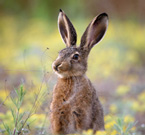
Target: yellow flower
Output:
{"points": [[128, 118], [113, 108], [101, 133], [114, 132], [122, 90], [141, 97], [133, 129], [38, 118], [107, 118], [135, 106], [3, 94], [109, 125], [88, 132]]}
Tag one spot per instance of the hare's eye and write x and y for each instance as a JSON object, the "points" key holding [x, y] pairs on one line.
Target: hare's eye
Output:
{"points": [[76, 56]]}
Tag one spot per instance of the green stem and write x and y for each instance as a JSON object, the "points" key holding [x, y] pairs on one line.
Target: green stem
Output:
{"points": [[17, 116]]}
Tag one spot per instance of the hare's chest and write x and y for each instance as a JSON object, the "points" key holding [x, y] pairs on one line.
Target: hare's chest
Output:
{"points": [[75, 94]]}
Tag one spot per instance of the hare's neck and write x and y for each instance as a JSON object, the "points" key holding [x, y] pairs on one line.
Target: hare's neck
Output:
{"points": [[69, 86], [70, 82]]}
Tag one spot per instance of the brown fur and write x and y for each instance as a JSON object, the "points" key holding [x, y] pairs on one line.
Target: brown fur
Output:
{"points": [[75, 106]]}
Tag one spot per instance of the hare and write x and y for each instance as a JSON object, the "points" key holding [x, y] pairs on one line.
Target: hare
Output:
{"points": [[75, 105]]}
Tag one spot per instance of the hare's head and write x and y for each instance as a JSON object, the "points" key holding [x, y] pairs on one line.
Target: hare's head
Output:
{"points": [[72, 61]]}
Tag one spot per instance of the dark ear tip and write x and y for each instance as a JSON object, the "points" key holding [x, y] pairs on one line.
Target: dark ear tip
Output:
{"points": [[60, 10], [103, 15]]}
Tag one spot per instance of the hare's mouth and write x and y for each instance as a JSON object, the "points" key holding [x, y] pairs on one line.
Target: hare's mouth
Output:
{"points": [[55, 69], [58, 69], [62, 74], [61, 67]]}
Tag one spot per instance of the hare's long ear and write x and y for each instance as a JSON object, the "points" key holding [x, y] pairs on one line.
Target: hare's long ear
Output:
{"points": [[66, 29], [94, 32]]}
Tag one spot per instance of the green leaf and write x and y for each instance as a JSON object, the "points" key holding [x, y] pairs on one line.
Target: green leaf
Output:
{"points": [[22, 93], [130, 126], [13, 114], [117, 127], [14, 101], [21, 116], [120, 122], [17, 92]]}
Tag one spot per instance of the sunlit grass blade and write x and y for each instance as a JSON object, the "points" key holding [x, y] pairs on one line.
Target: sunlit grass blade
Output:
{"points": [[7, 128]]}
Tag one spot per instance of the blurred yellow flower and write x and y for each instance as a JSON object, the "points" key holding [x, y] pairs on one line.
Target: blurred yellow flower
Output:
{"points": [[107, 118], [114, 132], [109, 125], [122, 90], [133, 129], [113, 108], [141, 97], [128, 118], [3, 94], [88, 132], [101, 133], [38, 118], [136, 106]]}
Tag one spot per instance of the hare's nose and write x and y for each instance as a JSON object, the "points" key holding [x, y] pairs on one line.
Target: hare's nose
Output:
{"points": [[56, 66]]}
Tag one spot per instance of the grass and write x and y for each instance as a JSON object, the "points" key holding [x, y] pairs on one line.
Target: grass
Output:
{"points": [[20, 124]]}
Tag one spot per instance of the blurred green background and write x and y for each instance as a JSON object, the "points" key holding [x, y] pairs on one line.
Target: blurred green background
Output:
{"points": [[116, 65]]}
